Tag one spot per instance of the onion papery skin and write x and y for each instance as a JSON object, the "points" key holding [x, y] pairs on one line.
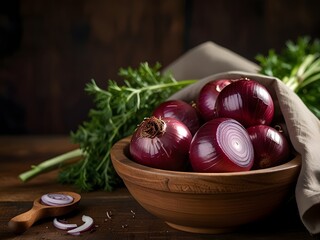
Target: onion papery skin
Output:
{"points": [[246, 101], [221, 145], [271, 147], [180, 110], [166, 146], [207, 98]]}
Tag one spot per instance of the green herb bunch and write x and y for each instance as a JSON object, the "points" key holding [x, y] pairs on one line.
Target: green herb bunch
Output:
{"points": [[118, 110], [298, 66]]}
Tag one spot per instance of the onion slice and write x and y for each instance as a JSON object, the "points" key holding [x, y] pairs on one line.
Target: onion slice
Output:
{"points": [[88, 223], [53, 199], [63, 226]]}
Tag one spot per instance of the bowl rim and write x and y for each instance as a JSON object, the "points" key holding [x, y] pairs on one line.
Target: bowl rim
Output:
{"points": [[121, 158]]}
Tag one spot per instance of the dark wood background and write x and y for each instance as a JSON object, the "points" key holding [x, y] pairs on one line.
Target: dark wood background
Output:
{"points": [[50, 49]]}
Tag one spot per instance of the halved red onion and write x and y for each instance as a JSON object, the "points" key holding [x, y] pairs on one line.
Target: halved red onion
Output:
{"points": [[207, 97], [271, 148], [88, 223], [180, 110], [246, 101], [53, 199], [63, 225], [221, 145], [161, 143]]}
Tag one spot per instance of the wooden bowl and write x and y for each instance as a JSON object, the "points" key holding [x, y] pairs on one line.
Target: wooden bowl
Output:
{"points": [[205, 202]]}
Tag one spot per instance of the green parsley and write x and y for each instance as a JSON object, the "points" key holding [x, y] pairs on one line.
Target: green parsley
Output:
{"points": [[118, 110], [298, 66]]}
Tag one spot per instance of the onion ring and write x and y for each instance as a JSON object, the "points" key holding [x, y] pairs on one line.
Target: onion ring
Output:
{"points": [[63, 226], [54, 199], [88, 223]]}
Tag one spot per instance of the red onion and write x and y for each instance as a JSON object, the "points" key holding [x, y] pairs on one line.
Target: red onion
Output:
{"points": [[161, 143], [207, 97], [221, 145], [62, 225], [88, 223], [180, 110], [281, 127], [271, 148], [246, 101], [53, 199]]}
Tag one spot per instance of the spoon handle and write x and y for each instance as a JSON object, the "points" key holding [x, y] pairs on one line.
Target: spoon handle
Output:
{"points": [[22, 222]]}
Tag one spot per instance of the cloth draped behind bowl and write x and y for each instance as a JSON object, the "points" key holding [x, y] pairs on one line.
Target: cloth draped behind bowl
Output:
{"points": [[210, 61]]}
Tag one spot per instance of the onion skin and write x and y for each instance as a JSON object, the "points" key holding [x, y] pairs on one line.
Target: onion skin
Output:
{"points": [[207, 97], [246, 101], [271, 148], [221, 145], [180, 110], [161, 143]]}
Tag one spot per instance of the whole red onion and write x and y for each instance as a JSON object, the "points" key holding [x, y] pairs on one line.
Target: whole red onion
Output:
{"points": [[161, 143], [246, 101], [180, 110], [207, 97], [271, 148]]}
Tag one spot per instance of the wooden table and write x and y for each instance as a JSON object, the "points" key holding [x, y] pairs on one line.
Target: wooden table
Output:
{"points": [[17, 154]]}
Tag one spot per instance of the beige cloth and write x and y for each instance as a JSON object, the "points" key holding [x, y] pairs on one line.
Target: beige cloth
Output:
{"points": [[215, 62]]}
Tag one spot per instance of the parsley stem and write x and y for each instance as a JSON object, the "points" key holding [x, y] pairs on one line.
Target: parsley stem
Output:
{"points": [[166, 85], [304, 74], [50, 164]]}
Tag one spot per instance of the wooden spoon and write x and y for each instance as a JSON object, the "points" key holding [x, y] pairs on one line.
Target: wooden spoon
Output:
{"points": [[22, 222]]}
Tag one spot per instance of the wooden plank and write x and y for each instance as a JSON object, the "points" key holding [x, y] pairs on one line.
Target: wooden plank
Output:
{"points": [[130, 221]]}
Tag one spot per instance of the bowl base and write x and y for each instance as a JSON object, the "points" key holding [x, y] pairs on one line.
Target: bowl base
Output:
{"points": [[200, 230]]}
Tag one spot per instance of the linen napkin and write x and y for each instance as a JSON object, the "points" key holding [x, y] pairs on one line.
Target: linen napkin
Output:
{"points": [[214, 61]]}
